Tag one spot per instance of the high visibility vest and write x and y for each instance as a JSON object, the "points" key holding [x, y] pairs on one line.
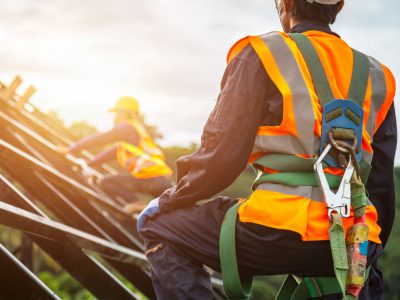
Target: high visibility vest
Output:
{"points": [[145, 160], [302, 209]]}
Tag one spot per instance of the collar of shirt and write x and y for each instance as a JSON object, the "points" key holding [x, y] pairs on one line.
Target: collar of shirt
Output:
{"points": [[312, 25]]}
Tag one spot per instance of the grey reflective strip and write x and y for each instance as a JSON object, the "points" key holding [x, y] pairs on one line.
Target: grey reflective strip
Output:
{"points": [[378, 96], [379, 90], [317, 144], [302, 105], [281, 144], [367, 157], [309, 192], [274, 144]]}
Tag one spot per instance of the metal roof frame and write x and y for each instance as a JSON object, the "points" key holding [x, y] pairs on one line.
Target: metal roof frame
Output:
{"points": [[46, 196]]}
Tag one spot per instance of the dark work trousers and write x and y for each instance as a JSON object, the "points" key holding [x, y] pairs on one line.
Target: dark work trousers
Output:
{"points": [[125, 185], [180, 242]]}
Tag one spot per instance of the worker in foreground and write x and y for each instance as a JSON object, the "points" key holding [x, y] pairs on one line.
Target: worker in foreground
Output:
{"points": [[316, 120], [143, 161]]}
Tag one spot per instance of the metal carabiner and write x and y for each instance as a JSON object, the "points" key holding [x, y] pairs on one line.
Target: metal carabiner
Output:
{"points": [[340, 201]]}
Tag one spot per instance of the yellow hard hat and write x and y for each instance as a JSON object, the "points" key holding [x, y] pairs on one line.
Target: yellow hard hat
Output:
{"points": [[126, 103]]}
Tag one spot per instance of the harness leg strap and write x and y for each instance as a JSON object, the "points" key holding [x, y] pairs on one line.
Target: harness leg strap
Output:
{"points": [[230, 272]]}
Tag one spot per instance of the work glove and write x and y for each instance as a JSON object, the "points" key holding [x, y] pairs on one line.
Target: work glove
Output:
{"points": [[151, 210], [82, 167], [62, 149]]}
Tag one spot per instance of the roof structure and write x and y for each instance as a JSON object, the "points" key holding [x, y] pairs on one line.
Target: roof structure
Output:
{"points": [[59, 206]]}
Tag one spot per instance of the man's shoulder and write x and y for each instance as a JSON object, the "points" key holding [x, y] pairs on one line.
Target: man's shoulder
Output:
{"points": [[243, 48], [378, 67]]}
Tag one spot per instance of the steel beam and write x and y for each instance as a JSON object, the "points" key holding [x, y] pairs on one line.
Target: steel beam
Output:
{"points": [[18, 282]]}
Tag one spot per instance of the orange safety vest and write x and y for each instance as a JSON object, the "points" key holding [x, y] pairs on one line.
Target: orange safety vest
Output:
{"points": [[145, 160], [302, 209]]}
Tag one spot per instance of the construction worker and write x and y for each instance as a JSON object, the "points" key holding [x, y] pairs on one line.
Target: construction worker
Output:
{"points": [[146, 170], [270, 113]]}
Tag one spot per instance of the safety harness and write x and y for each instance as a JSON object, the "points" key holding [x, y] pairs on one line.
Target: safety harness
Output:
{"points": [[341, 148]]}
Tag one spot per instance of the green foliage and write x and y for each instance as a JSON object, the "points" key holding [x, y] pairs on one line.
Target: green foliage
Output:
{"points": [[391, 257], [81, 129], [173, 153], [65, 286], [55, 118], [78, 129]]}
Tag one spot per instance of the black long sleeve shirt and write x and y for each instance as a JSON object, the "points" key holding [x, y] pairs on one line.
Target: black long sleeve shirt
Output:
{"points": [[249, 99]]}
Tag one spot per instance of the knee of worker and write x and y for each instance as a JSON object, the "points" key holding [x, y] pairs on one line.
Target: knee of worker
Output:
{"points": [[188, 221], [166, 226], [107, 183], [152, 230], [178, 274]]}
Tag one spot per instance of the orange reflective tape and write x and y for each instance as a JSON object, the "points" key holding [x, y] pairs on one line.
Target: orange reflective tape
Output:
{"points": [[305, 156], [275, 210], [149, 169], [391, 91], [318, 223], [288, 125], [237, 48], [123, 156], [334, 171], [273, 130], [302, 215], [269, 170], [254, 156]]}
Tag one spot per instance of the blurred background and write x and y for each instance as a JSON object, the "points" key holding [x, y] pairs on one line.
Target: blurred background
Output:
{"points": [[170, 54]]}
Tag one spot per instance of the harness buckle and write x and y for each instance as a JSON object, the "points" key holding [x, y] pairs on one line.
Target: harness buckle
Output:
{"points": [[340, 201]]}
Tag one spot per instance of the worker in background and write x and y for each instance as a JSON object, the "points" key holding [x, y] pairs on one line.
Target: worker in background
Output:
{"points": [[143, 161], [269, 105]]}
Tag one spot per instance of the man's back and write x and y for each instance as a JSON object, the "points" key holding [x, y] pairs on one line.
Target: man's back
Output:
{"points": [[268, 96]]}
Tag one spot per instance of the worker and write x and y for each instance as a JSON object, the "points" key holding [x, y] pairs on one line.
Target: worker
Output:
{"points": [[270, 113], [143, 161]]}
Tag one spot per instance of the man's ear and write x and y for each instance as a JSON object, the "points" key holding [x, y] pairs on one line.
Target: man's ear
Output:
{"points": [[288, 6], [340, 6]]}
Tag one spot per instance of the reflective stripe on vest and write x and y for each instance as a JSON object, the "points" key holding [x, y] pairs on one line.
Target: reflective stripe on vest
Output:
{"points": [[288, 78], [145, 160], [302, 209]]}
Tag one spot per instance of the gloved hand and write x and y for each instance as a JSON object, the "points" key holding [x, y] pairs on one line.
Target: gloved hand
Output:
{"points": [[151, 210], [62, 149]]}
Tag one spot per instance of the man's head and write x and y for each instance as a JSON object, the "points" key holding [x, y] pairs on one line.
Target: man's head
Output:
{"points": [[125, 109], [292, 12]]}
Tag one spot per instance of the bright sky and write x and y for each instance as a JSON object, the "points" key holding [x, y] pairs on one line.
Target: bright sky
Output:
{"points": [[170, 54]]}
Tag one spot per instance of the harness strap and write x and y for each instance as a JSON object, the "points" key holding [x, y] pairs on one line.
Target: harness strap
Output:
{"points": [[227, 248], [359, 78], [296, 288], [296, 170], [317, 72], [288, 287], [296, 179], [338, 249]]}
